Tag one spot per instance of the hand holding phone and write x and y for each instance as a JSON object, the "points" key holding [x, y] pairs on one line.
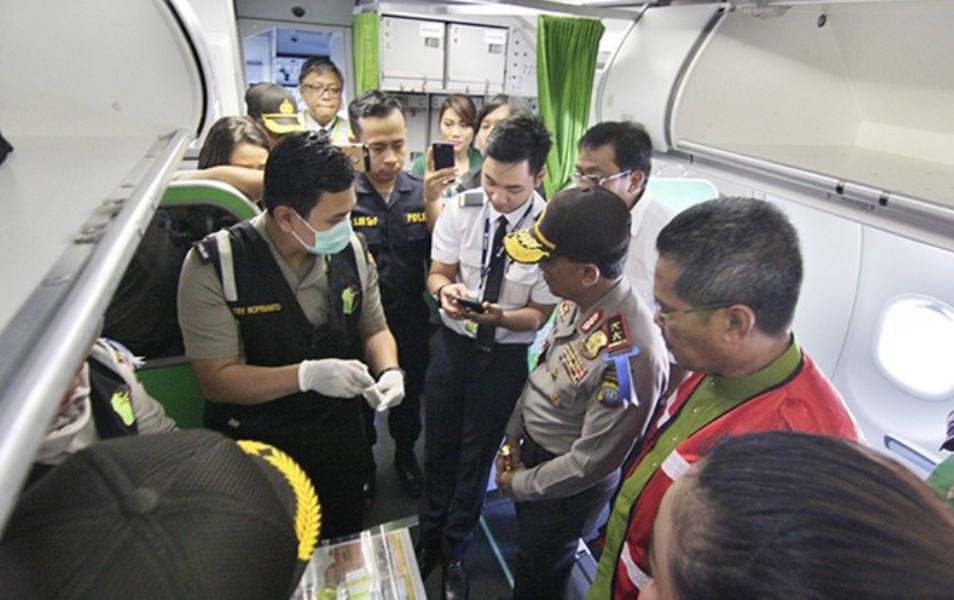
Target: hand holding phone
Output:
{"points": [[471, 305], [443, 155], [358, 155]]}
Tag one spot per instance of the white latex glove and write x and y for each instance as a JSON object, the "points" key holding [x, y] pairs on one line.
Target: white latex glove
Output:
{"points": [[387, 392], [334, 377]]}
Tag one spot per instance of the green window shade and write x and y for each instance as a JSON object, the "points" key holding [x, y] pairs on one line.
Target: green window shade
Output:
{"points": [[567, 48], [367, 65]]}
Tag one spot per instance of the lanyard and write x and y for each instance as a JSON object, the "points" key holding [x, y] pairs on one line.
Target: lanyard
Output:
{"points": [[486, 261]]}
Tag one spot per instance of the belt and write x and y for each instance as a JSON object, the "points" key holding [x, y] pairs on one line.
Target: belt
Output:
{"points": [[532, 453]]}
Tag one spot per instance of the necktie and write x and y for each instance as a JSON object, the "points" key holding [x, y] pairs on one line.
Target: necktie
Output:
{"points": [[485, 333]]}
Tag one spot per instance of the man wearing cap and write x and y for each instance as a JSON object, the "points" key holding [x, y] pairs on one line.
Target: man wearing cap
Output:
{"points": [[275, 312], [273, 110], [187, 514], [390, 214], [600, 372], [479, 354], [321, 84], [617, 156], [726, 285]]}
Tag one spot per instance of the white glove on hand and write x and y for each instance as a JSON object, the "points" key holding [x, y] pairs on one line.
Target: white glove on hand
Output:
{"points": [[387, 392], [334, 377]]}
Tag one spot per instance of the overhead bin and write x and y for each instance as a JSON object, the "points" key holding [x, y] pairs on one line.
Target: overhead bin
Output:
{"points": [[851, 98], [99, 100]]}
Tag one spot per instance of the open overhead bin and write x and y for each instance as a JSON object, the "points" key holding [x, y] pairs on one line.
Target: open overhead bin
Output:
{"points": [[99, 100], [852, 98]]}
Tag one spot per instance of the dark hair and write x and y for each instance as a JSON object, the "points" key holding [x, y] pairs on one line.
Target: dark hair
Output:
{"points": [[300, 168], [632, 148], [222, 138], [516, 107], [792, 515], [518, 138], [464, 107], [373, 103], [738, 250], [319, 64]]}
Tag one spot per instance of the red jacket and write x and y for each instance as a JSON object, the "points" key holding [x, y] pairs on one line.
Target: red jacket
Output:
{"points": [[806, 401]]}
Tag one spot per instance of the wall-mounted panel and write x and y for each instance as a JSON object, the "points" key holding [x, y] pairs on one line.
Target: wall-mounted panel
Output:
{"points": [[412, 54], [475, 58]]}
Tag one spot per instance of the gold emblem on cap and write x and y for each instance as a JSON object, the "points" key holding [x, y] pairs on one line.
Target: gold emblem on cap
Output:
{"points": [[286, 107], [524, 247], [307, 507], [594, 343]]}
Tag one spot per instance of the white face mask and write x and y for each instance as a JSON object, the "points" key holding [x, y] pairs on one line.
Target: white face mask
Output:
{"points": [[327, 242]]}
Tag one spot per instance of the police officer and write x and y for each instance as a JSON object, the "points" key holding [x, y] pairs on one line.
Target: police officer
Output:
{"points": [[390, 214], [602, 369]]}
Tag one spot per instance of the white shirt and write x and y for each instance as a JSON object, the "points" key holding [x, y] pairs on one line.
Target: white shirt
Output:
{"points": [[458, 238], [338, 129], [647, 220]]}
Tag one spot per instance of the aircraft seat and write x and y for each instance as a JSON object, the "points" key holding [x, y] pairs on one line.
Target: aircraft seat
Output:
{"points": [[142, 313]]}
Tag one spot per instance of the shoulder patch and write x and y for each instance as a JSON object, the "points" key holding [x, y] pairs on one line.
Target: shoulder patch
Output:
{"points": [[471, 198], [617, 333], [202, 249]]}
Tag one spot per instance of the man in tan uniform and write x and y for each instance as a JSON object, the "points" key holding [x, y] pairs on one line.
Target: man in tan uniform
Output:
{"points": [[602, 368]]}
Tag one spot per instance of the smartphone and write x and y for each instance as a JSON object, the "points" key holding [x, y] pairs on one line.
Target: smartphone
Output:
{"points": [[471, 305], [443, 155], [358, 155]]}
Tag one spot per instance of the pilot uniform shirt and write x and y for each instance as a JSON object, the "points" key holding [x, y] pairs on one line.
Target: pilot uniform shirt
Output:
{"points": [[338, 129], [210, 330], [648, 218], [459, 238], [395, 230], [790, 394], [572, 405]]}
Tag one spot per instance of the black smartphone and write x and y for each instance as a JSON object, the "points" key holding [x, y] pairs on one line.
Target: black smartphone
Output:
{"points": [[443, 155], [358, 155], [471, 305]]}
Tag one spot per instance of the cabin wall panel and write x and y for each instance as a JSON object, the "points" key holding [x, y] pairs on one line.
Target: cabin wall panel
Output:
{"points": [[892, 266]]}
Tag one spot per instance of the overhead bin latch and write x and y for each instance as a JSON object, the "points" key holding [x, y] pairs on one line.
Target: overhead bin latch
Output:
{"points": [[92, 230]]}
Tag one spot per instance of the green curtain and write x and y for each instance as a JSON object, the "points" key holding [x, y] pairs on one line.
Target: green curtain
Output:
{"points": [[367, 62], [566, 65]]}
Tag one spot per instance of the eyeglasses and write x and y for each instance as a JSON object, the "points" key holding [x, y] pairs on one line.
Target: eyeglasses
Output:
{"points": [[665, 317], [334, 92], [593, 180]]}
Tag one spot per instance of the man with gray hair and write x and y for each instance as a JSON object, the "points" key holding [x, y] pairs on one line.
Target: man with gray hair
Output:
{"points": [[726, 285]]}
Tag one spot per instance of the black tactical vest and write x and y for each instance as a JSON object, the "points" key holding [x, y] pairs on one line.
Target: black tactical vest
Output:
{"points": [[272, 325]]}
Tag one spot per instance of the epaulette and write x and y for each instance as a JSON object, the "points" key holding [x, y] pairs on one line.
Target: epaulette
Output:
{"points": [[471, 198]]}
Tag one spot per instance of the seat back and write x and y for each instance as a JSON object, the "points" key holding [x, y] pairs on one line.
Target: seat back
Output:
{"points": [[142, 314]]}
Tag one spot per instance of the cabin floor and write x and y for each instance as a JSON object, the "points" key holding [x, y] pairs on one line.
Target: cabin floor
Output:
{"points": [[490, 561], [494, 549]]}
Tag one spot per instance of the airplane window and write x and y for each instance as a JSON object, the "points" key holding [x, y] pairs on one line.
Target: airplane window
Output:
{"points": [[913, 345]]}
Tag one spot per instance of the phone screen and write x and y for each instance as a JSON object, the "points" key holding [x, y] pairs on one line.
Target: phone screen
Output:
{"points": [[471, 305], [443, 155]]}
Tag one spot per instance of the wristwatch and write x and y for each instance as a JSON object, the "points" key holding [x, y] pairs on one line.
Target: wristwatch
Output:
{"points": [[394, 368], [437, 294]]}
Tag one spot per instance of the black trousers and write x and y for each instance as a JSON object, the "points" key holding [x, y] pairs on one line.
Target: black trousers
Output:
{"points": [[404, 420], [328, 442], [469, 395], [548, 532]]}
